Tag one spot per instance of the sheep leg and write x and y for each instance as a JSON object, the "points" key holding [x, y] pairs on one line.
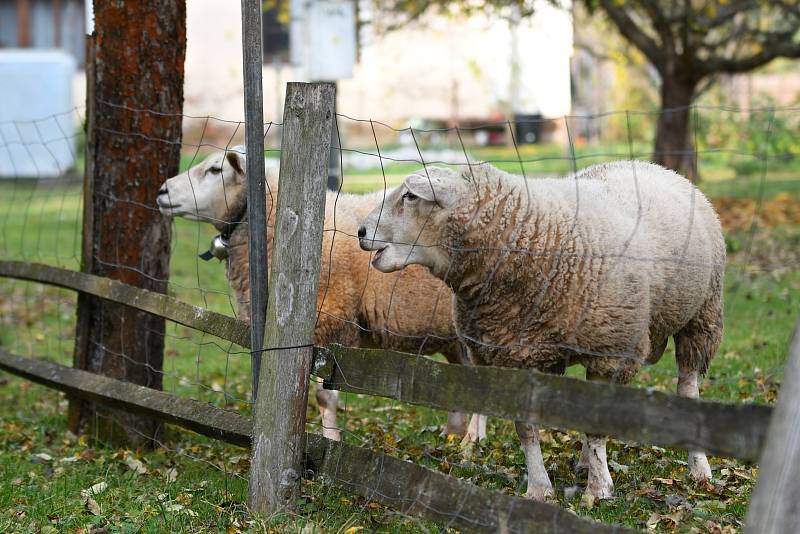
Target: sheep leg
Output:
{"points": [[699, 468], [327, 400], [456, 424], [599, 484], [476, 430], [457, 421], [695, 346], [584, 461], [539, 485], [593, 454]]}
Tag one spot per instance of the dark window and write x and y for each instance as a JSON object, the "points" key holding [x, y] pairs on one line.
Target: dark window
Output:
{"points": [[275, 33]]}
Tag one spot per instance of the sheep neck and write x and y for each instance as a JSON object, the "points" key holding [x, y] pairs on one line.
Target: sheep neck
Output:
{"points": [[228, 228]]}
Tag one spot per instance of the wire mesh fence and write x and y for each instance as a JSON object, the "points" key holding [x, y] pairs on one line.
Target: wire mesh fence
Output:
{"points": [[747, 167], [728, 169]]}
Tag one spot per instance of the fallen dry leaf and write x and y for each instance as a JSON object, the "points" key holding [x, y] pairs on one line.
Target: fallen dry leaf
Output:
{"points": [[92, 506], [44, 457], [740, 213], [135, 465], [97, 489]]}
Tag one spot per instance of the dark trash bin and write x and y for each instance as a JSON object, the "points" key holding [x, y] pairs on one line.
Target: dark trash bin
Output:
{"points": [[528, 128]]}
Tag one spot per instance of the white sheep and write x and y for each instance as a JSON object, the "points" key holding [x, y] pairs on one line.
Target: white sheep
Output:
{"points": [[409, 311], [598, 268]]}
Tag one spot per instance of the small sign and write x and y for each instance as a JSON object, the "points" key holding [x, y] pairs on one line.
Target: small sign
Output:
{"points": [[323, 38]]}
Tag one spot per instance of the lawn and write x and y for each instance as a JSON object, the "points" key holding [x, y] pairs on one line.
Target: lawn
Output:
{"points": [[192, 484]]}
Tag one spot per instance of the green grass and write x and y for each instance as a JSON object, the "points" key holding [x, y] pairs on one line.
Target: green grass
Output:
{"points": [[207, 489], [719, 176]]}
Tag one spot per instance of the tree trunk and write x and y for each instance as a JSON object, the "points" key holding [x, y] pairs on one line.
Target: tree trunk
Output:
{"points": [[135, 133], [674, 145]]}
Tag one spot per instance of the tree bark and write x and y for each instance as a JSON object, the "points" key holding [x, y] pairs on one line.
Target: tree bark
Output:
{"points": [[674, 146], [136, 132]]}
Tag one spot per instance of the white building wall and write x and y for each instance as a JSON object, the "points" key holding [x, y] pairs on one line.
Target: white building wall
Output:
{"points": [[439, 68]]}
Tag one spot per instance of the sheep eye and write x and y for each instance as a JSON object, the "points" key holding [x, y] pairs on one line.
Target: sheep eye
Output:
{"points": [[215, 170], [408, 195]]}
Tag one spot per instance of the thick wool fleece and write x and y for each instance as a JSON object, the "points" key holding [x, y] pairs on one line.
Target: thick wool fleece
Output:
{"points": [[597, 268], [409, 310]]}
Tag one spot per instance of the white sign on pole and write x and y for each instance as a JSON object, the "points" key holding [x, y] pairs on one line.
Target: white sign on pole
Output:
{"points": [[323, 38]]}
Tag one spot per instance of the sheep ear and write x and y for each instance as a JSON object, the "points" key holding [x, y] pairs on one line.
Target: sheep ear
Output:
{"points": [[236, 159], [430, 188]]}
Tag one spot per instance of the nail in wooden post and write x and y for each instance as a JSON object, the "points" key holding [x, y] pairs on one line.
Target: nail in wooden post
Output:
{"points": [[279, 411]]}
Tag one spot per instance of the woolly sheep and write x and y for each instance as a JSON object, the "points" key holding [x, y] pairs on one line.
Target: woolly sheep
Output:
{"points": [[599, 268], [410, 311]]}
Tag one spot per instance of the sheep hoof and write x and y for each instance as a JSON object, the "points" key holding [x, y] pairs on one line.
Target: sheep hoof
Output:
{"points": [[601, 490], [476, 431], [539, 492], [332, 434], [470, 438], [699, 468]]}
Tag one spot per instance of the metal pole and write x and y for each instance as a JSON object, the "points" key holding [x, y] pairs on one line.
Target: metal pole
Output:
{"points": [[334, 172], [256, 188]]}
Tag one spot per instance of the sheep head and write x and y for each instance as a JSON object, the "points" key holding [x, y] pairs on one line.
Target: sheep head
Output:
{"points": [[214, 191], [406, 227]]}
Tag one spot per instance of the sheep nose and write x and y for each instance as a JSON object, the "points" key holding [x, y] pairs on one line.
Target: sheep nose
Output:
{"points": [[362, 231], [163, 190]]}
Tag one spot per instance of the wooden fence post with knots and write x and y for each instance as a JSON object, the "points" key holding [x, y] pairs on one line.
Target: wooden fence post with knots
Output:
{"points": [[279, 411]]}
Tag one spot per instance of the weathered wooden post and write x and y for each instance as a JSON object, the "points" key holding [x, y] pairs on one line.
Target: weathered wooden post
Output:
{"points": [[252, 58], [279, 412], [775, 505]]}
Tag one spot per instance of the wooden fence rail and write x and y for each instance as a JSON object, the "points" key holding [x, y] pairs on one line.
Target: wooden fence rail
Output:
{"points": [[635, 414], [165, 306], [404, 486]]}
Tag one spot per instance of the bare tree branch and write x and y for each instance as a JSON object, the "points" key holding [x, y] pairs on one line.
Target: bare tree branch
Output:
{"points": [[630, 30], [770, 51], [727, 13], [661, 25], [591, 51]]}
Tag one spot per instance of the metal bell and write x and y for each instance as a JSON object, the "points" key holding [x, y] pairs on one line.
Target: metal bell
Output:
{"points": [[218, 249]]}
